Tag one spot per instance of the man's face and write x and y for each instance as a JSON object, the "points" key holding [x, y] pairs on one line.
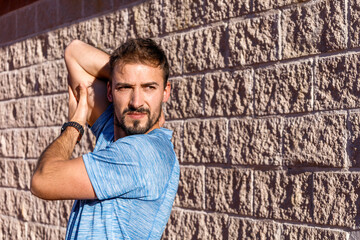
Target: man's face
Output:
{"points": [[137, 93]]}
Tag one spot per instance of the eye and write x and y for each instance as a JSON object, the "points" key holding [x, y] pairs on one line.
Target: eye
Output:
{"points": [[150, 87]]}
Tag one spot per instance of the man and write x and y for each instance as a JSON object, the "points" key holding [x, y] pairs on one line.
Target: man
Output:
{"points": [[125, 188]]}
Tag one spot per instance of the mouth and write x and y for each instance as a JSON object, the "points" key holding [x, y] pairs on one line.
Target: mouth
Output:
{"points": [[136, 115]]}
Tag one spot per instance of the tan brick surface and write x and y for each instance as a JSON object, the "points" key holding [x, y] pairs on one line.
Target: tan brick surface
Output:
{"points": [[313, 28], [255, 142], [191, 190], [227, 94], [205, 141], [336, 82], [336, 199], [278, 89], [264, 109], [254, 40], [249, 229], [186, 98], [293, 232], [315, 140], [281, 195], [205, 49], [229, 190]]}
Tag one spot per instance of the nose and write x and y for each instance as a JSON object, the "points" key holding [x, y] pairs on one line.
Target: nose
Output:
{"points": [[137, 99]]}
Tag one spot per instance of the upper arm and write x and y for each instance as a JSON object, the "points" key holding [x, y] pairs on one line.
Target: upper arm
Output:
{"points": [[63, 180], [87, 64]]}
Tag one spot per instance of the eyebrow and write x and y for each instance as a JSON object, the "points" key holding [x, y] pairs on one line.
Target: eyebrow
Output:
{"points": [[120, 84]]}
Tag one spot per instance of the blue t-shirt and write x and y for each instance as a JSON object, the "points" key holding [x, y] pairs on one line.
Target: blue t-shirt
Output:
{"points": [[135, 180]]}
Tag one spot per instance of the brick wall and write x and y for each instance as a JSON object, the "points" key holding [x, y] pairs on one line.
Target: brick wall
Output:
{"points": [[264, 108]]}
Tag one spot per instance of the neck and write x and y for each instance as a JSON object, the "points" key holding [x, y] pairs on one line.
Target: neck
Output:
{"points": [[120, 133]]}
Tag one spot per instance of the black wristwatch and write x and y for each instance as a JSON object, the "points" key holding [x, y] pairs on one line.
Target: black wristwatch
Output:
{"points": [[75, 125]]}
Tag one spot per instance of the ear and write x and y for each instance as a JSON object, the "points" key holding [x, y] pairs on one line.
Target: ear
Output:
{"points": [[109, 93], [167, 92]]}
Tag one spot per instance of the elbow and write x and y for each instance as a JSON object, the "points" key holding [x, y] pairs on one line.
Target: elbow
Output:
{"points": [[71, 47], [37, 186], [34, 185]]}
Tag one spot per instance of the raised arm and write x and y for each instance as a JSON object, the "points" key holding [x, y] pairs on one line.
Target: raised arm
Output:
{"points": [[89, 66]]}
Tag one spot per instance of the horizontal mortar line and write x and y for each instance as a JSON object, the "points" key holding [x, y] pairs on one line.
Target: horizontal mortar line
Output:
{"points": [[46, 95], [254, 218], [279, 168], [6, 159], [29, 128], [264, 117], [47, 225], [56, 61]]}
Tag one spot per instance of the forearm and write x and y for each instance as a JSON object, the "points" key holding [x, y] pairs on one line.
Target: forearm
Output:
{"points": [[59, 150], [92, 60]]}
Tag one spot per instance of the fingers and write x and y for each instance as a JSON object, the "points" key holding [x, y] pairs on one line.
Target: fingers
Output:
{"points": [[83, 95], [81, 111]]}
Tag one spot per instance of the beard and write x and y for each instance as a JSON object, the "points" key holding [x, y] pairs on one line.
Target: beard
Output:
{"points": [[134, 127]]}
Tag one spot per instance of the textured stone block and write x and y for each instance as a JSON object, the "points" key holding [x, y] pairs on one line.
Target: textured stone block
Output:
{"points": [[292, 232], [354, 139], [179, 15], [27, 207], [313, 28], [146, 19], [174, 51], [337, 83], [12, 229], [36, 231], [192, 225], [205, 141], [242, 229], [13, 143], [185, 98], [13, 113], [3, 58], [228, 94], [6, 80], [177, 137], [205, 49], [70, 10], [25, 21], [37, 139], [27, 52], [43, 79], [64, 212], [283, 89], [254, 40], [354, 23], [281, 195], [255, 141], [229, 190], [336, 199], [47, 110], [316, 140], [262, 5], [191, 190], [3, 181], [19, 172]]}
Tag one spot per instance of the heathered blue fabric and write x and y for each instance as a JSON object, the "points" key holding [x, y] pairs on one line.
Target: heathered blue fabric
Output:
{"points": [[135, 180]]}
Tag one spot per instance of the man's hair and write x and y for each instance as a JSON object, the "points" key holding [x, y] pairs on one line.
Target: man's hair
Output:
{"points": [[141, 50]]}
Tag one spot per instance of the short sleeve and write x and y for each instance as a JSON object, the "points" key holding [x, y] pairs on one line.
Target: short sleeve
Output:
{"points": [[132, 167]]}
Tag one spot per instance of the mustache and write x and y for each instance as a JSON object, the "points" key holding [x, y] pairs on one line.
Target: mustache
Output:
{"points": [[136, 110]]}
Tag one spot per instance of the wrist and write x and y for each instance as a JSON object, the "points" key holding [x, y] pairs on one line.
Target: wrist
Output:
{"points": [[75, 125]]}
